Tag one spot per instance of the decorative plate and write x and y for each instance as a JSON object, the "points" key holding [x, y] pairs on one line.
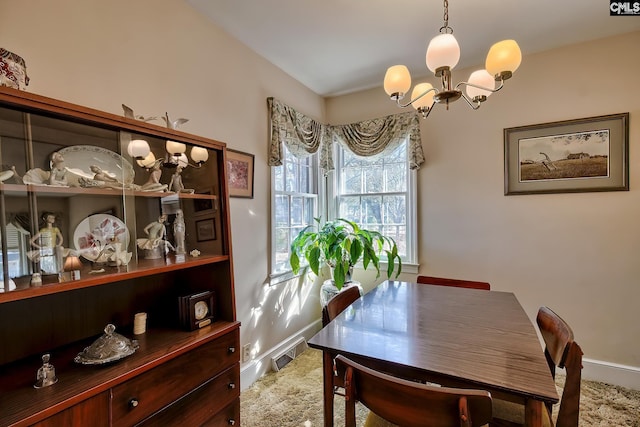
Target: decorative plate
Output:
{"points": [[79, 158], [97, 231]]}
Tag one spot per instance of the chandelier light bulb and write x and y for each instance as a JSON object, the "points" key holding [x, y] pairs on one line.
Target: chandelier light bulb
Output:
{"points": [[443, 51], [397, 80], [480, 78], [148, 161], [138, 149], [426, 100], [504, 56], [175, 148], [182, 160], [199, 154]]}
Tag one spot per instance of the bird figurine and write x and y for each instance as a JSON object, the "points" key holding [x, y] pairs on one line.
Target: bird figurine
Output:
{"points": [[173, 124], [128, 112]]}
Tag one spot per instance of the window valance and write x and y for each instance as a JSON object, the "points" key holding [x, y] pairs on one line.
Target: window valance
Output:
{"points": [[304, 136]]}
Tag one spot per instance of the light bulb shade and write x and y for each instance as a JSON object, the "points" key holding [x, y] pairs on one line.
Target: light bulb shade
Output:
{"points": [[443, 51], [182, 160], [480, 78], [148, 161], [138, 148], [424, 101], [199, 154], [72, 263], [503, 56], [175, 148], [397, 79]]}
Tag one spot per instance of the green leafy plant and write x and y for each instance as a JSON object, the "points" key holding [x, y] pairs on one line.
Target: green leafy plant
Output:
{"points": [[341, 244]]}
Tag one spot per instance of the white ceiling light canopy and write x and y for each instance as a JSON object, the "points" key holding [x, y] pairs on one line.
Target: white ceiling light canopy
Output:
{"points": [[443, 53]]}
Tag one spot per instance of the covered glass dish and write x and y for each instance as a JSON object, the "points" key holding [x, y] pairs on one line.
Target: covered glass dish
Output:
{"points": [[108, 348]]}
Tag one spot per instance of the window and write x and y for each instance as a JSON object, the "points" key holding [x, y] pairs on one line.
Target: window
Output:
{"points": [[379, 195], [294, 205]]}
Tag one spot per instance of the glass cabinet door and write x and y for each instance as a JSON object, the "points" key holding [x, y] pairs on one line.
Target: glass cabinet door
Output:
{"points": [[78, 201]]}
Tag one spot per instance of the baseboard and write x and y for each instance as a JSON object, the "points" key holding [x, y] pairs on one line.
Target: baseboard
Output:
{"points": [[611, 373], [261, 364]]}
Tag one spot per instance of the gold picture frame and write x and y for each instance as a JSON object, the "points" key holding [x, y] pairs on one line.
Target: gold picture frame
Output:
{"points": [[240, 173]]}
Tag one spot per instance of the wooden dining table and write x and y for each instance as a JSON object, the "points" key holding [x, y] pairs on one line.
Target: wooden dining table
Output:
{"points": [[454, 337]]}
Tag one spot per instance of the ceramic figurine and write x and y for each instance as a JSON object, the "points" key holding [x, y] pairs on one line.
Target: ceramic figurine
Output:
{"points": [[179, 229], [153, 183], [175, 123], [48, 243], [176, 184], [58, 174], [155, 243]]}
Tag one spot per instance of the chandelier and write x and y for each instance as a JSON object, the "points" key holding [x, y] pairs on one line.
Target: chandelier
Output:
{"points": [[443, 54], [175, 154]]}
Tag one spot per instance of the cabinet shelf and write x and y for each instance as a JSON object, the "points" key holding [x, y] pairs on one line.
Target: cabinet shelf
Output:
{"points": [[22, 189], [132, 271]]}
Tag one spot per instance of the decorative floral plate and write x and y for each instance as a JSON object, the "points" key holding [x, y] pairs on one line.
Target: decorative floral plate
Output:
{"points": [[96, 232]]}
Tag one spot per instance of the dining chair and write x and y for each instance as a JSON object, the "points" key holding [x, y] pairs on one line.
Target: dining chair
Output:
{"points": [[335, 306], [561, 351], [459, 283], [338, 303], [408, 403]]}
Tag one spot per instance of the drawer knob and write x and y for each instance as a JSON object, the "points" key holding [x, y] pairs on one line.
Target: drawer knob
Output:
{"points": [[232, 386], [232, 349], [133, 403], [232, 422]]}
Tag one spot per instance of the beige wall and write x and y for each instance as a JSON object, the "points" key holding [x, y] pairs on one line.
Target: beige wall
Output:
{"points": [[574, 252], [577, 253]]}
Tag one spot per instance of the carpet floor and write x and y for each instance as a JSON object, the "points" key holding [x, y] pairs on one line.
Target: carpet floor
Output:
{"points": [[293, 398]]}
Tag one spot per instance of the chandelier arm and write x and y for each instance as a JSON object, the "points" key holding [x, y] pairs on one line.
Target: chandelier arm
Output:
{"points": [[433, 89], [474, 105], [481, 87]]}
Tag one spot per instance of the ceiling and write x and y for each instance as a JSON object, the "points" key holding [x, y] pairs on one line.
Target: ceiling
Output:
{"points": [[340, 46]]}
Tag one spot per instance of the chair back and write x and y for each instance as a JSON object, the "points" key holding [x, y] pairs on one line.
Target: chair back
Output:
{"points": [[458, 283], [411, 404], [563, 352], [338, 303]]}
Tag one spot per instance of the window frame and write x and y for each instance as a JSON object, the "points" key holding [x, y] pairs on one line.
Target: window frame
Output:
{"points": [[410, 260], [316, 183]]}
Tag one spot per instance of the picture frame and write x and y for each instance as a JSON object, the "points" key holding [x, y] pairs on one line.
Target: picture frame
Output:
{"points": [[206, 229], [571, 156], [240, 168], [203, 206]]}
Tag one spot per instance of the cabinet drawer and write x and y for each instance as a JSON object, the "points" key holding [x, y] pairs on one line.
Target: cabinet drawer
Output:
{"points": [[204, 405], [151, 391], [229, 416]]}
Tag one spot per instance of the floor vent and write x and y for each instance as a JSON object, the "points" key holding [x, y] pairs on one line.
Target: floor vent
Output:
{"points": [[280, 360]]}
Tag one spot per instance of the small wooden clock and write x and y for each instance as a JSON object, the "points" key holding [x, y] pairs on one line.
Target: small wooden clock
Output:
{"points": [[197, 310]]}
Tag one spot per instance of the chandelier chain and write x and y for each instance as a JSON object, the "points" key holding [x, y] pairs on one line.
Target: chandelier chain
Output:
{"points": [[446, 28]]}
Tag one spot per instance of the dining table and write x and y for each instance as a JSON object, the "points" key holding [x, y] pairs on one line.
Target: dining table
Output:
{"points": [[454, 337]]}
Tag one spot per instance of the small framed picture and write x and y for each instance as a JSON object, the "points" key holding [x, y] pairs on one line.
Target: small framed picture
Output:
{"points": [[206, 229], [240, 174]]}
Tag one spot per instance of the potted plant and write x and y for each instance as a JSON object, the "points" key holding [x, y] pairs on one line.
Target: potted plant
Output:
{"points": [[341, 244]]}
